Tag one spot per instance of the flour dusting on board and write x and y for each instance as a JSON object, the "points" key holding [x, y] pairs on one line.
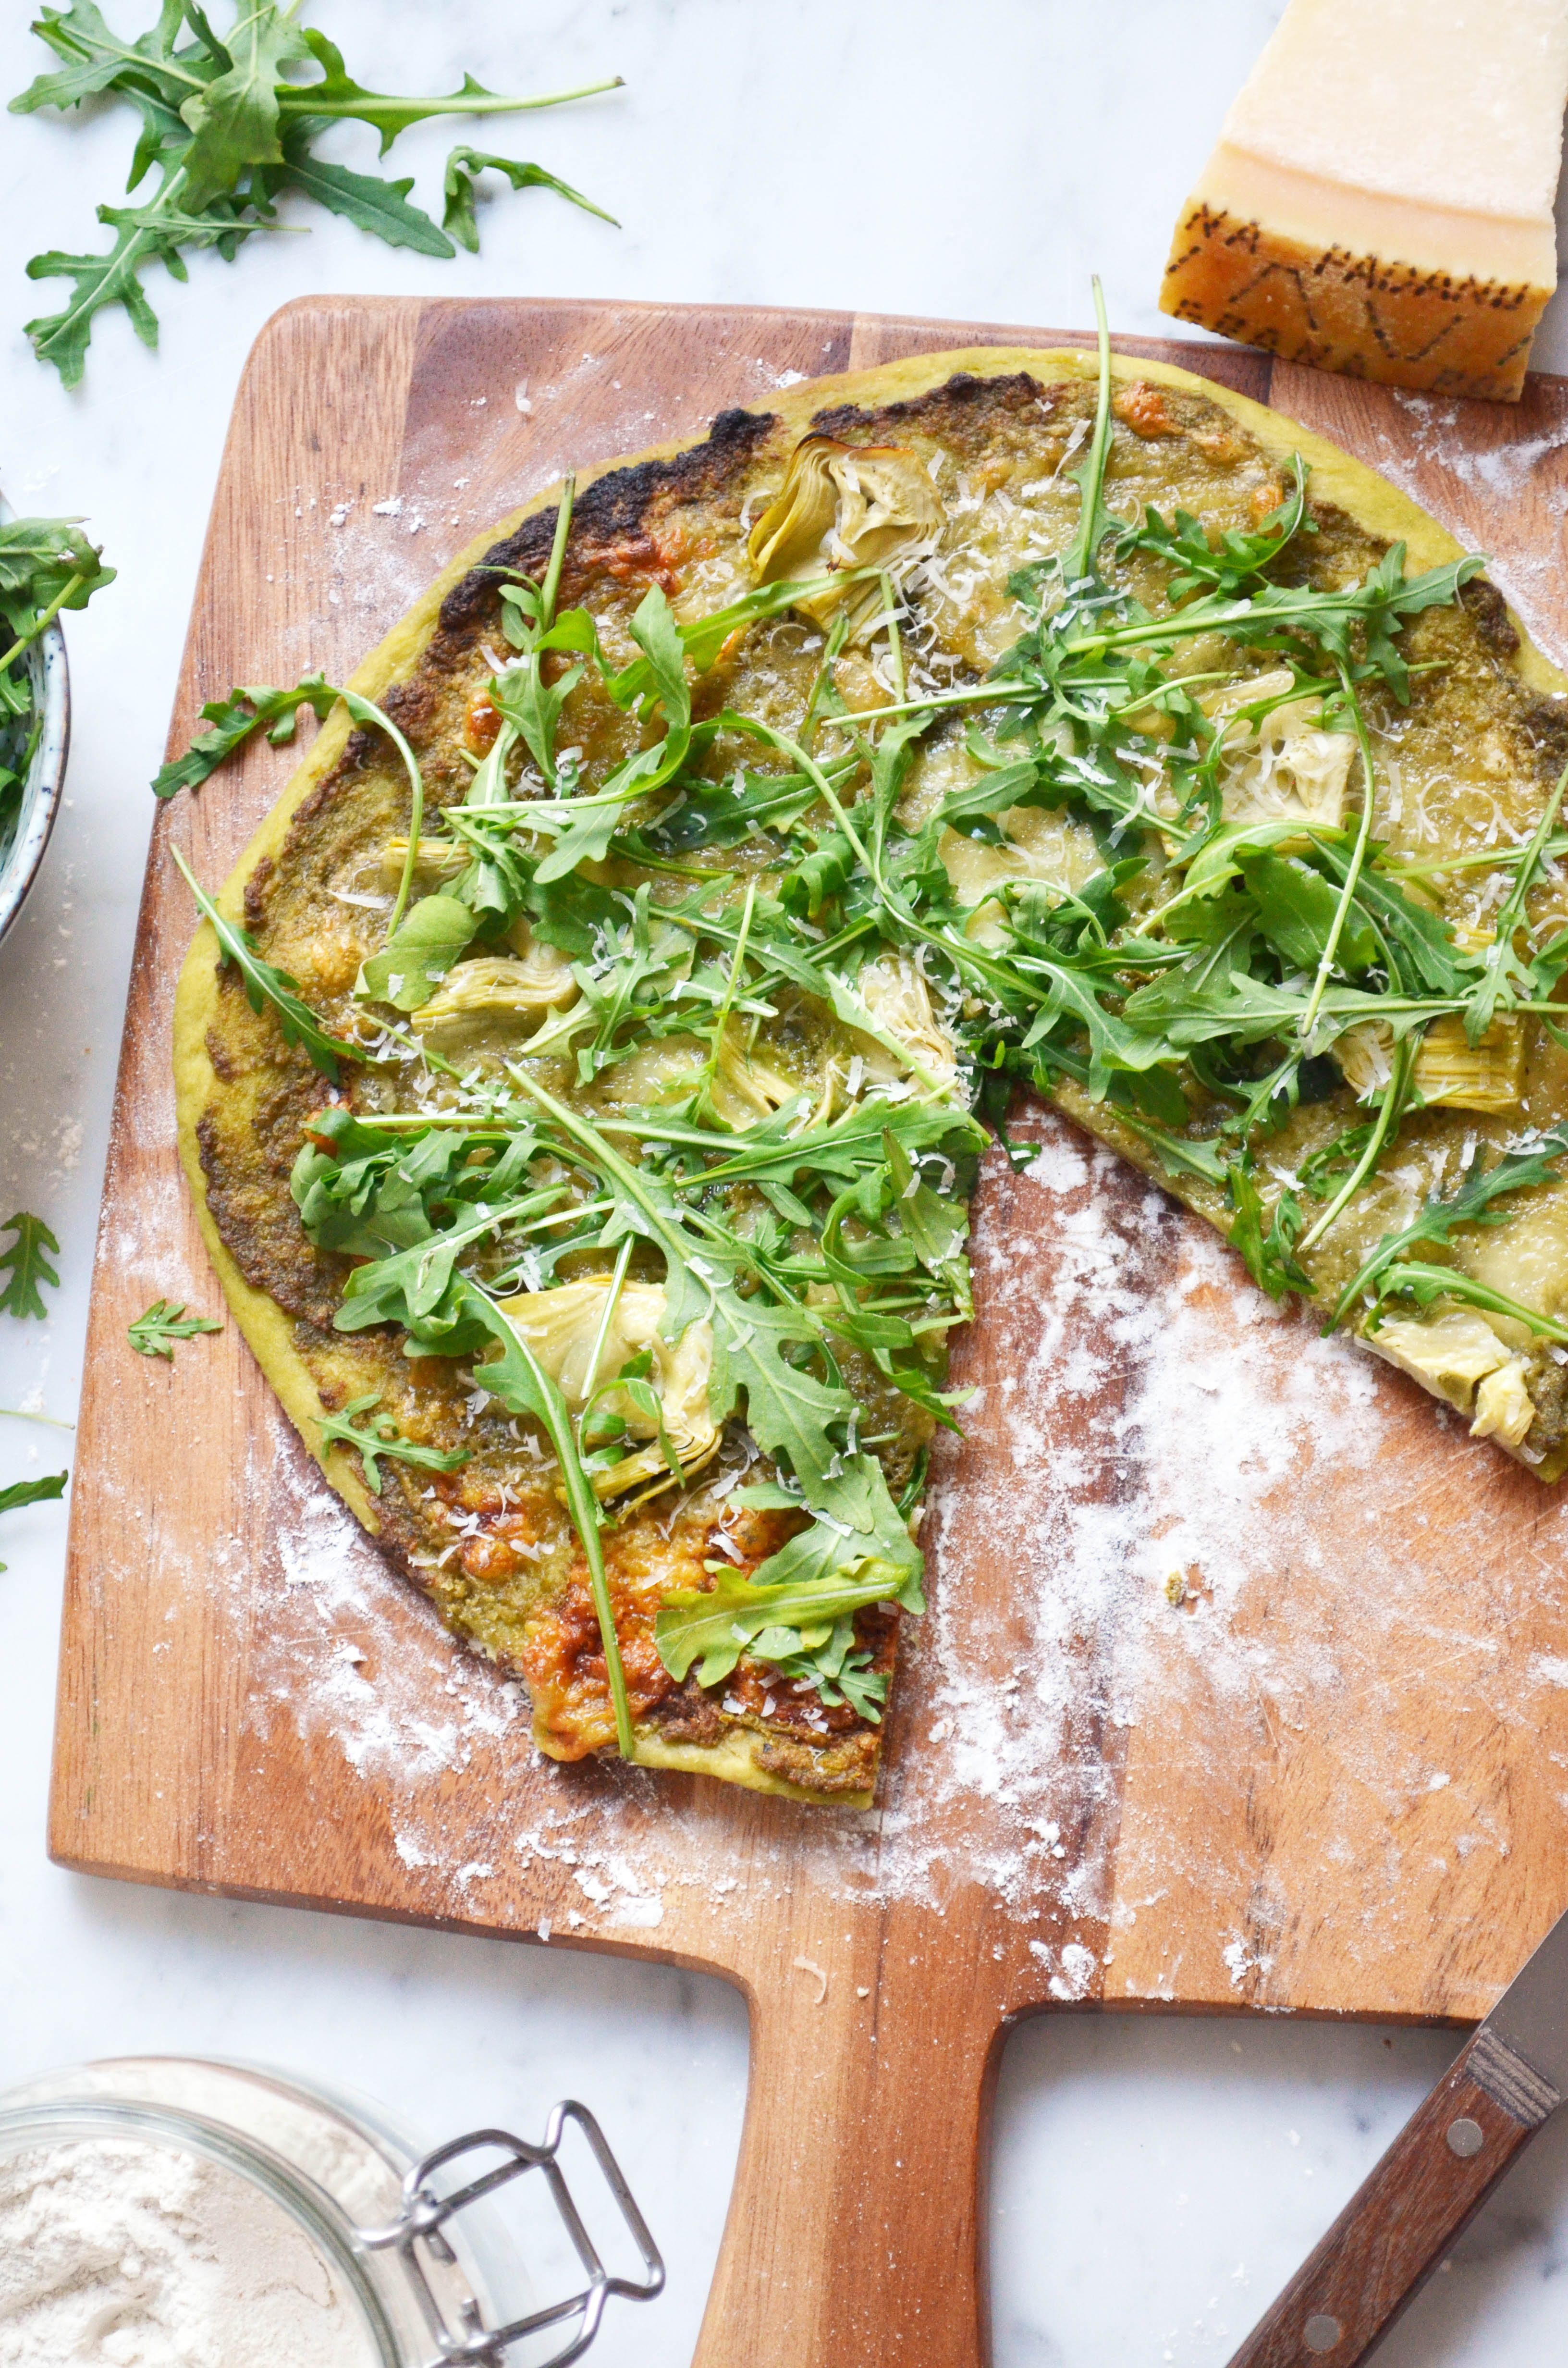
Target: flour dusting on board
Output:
{"points": [[1143, 1416], [1523, 475], [1144, 1439]]}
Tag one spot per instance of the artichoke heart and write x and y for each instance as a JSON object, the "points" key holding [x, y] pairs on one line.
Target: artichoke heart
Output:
{"points": [[1287, 765], [1449, 1070], [1449, 1355], [560, 1327], [1487, 1075], [371, 880], [747, 1087], [438, 859], [844, 507], [895, 993], [494, 998]]}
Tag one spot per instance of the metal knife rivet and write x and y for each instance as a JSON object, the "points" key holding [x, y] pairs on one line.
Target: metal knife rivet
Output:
{"points": [[1465, 2138], [1321, 2332]]}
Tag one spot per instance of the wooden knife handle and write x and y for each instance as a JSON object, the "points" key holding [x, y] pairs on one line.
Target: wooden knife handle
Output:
{"points": [[1404, 2216]]}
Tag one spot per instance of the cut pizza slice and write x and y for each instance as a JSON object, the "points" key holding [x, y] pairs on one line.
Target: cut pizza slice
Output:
{"points": [[584, 1101]]}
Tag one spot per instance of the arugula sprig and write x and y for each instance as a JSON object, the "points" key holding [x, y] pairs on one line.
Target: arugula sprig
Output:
{"points": [[229, 127], [265, 983], [155, 1333], [26, 1258], [255, 707], [1473, 1204], [372, 1439], [33, 1492]]}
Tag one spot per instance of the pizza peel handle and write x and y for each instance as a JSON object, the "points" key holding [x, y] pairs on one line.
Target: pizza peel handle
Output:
{"points": [[855, 2231]]}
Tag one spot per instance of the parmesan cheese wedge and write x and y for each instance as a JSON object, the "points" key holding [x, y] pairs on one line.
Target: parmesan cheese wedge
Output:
{"points": [[1380, 199]]}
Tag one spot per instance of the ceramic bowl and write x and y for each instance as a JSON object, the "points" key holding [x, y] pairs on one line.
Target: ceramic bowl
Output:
{"points": [[25, 836]]}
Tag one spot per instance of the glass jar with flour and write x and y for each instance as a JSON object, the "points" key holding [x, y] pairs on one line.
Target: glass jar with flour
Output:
{"points": [[171, 2208]]}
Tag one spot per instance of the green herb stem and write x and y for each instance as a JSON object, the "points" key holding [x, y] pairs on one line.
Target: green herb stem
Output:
{"points": [[41, 622], [1396, 1094], [1353, 872]]}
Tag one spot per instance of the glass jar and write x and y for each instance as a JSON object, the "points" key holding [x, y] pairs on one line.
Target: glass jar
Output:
{"points": [[416, 2290]]}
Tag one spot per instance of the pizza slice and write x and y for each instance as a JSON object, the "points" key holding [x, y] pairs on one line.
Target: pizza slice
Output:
{"points": [[583, 1075]]}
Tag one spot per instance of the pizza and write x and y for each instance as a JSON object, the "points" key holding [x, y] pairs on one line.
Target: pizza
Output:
{"points": [[584, 1075]]}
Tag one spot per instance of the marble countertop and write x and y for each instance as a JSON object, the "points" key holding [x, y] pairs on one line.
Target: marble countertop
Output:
{"points": [[1154, 2181]]}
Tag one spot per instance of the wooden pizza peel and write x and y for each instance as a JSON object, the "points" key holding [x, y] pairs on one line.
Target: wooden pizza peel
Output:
{"points": [[1324, 1778]]}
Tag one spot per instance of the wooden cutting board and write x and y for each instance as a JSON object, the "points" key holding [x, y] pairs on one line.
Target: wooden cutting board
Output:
{"points": [[1330, 1782]]}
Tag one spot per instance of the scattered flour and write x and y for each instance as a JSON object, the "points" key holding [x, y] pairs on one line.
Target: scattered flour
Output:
{"points": [[1139, 1413], [131, 2255]]}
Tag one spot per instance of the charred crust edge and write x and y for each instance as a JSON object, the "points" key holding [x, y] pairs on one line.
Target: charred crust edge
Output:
{"points": [[1012, 393], [610, 512]]}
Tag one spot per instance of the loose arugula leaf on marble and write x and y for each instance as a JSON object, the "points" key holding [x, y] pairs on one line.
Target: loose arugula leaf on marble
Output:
{"points": [[33, 1492], [465, 166], [253, 708], [230, 128], [155, 1333], [25, 1258], [371, 204]]}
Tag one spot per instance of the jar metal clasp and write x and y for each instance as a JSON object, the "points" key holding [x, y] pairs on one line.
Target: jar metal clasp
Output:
{"points": [[424, 2217]]}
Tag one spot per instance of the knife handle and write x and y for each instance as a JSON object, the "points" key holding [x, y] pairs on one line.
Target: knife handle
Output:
{"points": [[1406, 2214]]}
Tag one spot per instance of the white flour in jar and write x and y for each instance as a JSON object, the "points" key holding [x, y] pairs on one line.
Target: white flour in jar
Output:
{"points": [[119, 2254]]}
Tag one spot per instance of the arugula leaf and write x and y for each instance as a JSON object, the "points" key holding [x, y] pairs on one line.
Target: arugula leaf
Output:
{"points": [[1268, 1249], [154, 1334], [1503, 972], [27, 1258], [420, 1287], [463, 167], [1413, 1278], [113, 279], [363, 199], [516, 1376], [382, 1438], [337, 95], [420, 953], [33, 1492], [1094, 521], [266, 984], [715, 1627], [1232, 564], [96, 58], [1295, 912], [1471, 1204], [858, 1521], [234, 118], [229, 131], [838, 1672], [249, 709]]}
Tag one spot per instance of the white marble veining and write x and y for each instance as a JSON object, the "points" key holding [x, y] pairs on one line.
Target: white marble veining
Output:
{"points": [[1154, 2181]]}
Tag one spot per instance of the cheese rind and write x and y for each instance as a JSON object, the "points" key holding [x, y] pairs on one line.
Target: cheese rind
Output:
{"points": [[1381, 199]]}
